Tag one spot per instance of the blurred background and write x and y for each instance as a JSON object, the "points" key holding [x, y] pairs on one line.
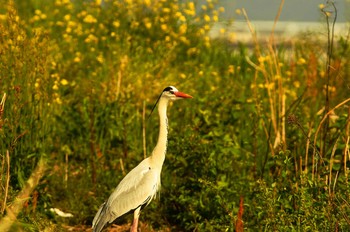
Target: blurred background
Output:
{"points": [[262, 146]]}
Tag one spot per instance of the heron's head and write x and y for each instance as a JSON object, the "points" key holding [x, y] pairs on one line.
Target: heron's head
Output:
{"points": [[173, 94]]}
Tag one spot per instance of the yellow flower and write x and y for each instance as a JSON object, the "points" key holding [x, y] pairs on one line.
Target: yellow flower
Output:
{"points": [[192, 51], [58, 101], [91, 38], [184, 40], [222, 30], [321, 6], [89, 19], [77, 59], [166, 10], [190, 12], [64, 82], [261, 59], [55, 87], [100, 58], [36, 18], [147, 2], [238, 11], [183, 29], [215, 18], [207, 18], [164, 27], [301, 61], [204, 7], [148, 25], [116, 24], [231, 69], [67, 17], [296, 84], [191, 5], [2, 17], [221, 9], [182, 18]]}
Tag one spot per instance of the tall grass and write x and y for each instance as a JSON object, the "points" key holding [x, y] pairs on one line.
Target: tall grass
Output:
{"points": [[247, 153]]}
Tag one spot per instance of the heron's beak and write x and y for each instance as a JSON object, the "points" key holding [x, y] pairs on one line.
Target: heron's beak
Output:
{"points": [[182, 95]]}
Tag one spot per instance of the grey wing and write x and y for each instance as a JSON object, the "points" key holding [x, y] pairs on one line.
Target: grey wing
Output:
{"points": [[137, 188]]}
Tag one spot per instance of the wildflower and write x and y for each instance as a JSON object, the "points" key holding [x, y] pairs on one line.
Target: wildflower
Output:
{"points": [[204, 7], [190, 12], [231, 69], [77, 59], [90, 19], [166, 10], [222, 30], [55, 87], [100, 58], [192, 51], [321, 6], [116, 24], [58, 100], [301, 61], [37, 83], [91, 38], [261, 59], [182, 18], [221, 9], [183, 76], [164, 27], [67, 17], [215, 18], [238, 11], [296, 84], [36, 17], [207, 18], [183, 29], [147, 2], [64, 82], [59, 23], [184, 40], [37, 12]]}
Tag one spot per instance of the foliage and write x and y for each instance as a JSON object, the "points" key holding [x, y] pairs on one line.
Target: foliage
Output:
{"points": [[79, 76]]}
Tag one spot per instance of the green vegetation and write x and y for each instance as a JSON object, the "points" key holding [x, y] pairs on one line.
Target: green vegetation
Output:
{"points": [[268, 125]]}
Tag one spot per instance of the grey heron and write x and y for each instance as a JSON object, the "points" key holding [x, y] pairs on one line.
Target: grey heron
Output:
{"points": [[141, 184]]}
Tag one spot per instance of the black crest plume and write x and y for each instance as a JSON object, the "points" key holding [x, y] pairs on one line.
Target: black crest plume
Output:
{"points": [[166, 89]]}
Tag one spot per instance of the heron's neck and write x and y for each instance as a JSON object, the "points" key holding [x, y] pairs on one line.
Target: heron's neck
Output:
{"points": [[158, 154]]}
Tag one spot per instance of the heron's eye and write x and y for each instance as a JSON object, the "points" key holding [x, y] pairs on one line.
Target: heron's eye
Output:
{"points": [[171, 91]]}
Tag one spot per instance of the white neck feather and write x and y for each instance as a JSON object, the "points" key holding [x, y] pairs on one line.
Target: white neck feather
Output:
{"points": [[158, 154]]}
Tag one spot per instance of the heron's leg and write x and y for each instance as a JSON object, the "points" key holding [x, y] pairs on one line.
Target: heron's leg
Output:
{"points": [[136, 220]]}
